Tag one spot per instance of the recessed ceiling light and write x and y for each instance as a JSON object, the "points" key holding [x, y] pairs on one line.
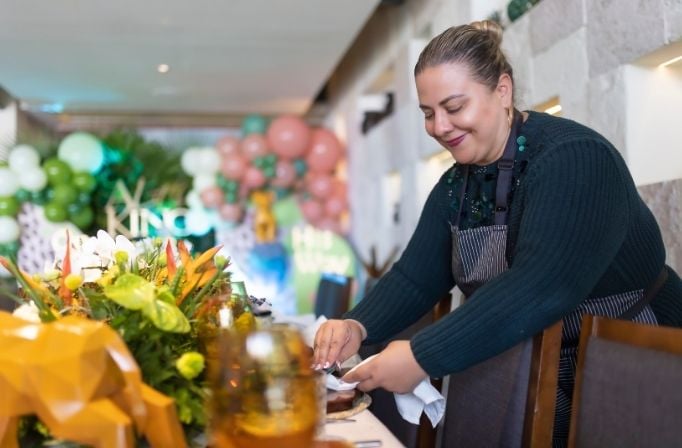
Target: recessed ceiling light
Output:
{"points": [[553, 110], [163, 68], [671, 61]]}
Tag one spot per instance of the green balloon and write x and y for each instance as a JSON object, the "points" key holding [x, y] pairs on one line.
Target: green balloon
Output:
{"points": [[65, 194], [85, 182], [254, 124], [9, 206], [38, 197], [58, 172], [74, 208], [287, 212], [55, 212], [22, 195], [84, 199], [82, 218]]}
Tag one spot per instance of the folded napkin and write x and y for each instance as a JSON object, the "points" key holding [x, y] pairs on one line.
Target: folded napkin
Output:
{"points": [[424, 398]]}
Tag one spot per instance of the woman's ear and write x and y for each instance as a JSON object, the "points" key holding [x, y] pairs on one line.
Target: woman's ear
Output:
{"points": [[505, 90]]}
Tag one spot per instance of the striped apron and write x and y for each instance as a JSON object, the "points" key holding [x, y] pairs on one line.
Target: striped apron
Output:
{"points": [[478, 255]]}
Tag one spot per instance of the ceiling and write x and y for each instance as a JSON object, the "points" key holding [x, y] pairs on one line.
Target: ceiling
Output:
{"points": [[227, 57]]}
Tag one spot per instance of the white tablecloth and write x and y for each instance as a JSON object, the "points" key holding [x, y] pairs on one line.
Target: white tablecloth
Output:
{"points": [[365, 427]]}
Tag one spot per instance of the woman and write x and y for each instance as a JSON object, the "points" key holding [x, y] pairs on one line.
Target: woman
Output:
{"points": [[539, 220]]}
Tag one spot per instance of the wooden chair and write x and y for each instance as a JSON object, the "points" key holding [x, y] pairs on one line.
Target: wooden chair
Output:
{"points": [[628, 385], [508, 400]]}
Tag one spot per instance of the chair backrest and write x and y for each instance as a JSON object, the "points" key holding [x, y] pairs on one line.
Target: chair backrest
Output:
{"points": [[333, 296], [507, 400], [627, 390]]}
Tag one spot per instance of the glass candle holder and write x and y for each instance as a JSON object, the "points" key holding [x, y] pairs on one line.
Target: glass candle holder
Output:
{"points": [[264, 393]]}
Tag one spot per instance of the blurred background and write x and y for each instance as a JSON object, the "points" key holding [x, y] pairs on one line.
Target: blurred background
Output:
{"points": [[289, 131]]}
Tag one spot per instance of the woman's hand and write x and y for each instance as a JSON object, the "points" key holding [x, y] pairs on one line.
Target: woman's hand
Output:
{"points": [[394, 369], [335, 341]]}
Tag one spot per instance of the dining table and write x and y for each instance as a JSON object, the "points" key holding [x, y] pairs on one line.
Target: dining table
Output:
{"points": [[361, 429]]}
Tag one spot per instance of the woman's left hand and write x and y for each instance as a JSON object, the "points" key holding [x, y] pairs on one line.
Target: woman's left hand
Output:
{"points": [[394, 369]]}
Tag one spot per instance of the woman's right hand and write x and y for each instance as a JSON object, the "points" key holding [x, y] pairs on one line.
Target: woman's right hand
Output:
{"points": [[335, 341]]}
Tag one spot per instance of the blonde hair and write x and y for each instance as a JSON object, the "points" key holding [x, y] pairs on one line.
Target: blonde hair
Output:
{"points": [[477, 45]]}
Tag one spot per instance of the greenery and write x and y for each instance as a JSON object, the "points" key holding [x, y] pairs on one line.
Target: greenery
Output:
{"points": [[155, 294]]}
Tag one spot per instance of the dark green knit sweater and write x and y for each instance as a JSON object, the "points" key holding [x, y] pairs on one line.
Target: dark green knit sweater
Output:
{"points": [[577, 229]]}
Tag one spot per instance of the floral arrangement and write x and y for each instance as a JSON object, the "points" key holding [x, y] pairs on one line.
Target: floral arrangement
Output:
{"points": [[160, 298]]}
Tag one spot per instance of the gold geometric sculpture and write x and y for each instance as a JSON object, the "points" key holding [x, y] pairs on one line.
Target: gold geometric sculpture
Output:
{"points": [[79, 378]]}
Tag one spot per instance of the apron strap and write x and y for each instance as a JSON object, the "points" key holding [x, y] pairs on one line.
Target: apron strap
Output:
{"points": [[649, 293], [504, 176], [461, 195]]}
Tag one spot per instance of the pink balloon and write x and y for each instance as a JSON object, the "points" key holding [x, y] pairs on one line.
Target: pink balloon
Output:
{"points": [[227, 146], [312, 210], [231, 212], [233, 166], [285, 174], [335, 206], [330, 224], [254, 145], [325, 151], [253, 177], [212, 197], [289, 136], [320, 185]]}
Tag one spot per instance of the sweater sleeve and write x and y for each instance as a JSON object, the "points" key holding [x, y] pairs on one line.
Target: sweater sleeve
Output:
{"points": [[417, 281], [573, 223]]}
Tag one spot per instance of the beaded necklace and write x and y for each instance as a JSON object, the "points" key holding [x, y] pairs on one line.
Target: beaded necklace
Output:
{"points": [[479, 199]]}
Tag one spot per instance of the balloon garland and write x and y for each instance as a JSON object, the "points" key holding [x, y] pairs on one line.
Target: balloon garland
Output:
{"points": [[286, 157], [74, 185]]}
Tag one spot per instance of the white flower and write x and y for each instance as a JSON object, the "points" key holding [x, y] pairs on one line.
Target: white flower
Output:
{"points": [[106, 247], [28, 311]]}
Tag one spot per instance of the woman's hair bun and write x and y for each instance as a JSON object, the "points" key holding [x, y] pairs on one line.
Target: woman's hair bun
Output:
{"points": [[493, 29]]}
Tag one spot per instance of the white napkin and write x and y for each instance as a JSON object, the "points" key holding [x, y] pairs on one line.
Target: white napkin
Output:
{"points": [[424, 398]]}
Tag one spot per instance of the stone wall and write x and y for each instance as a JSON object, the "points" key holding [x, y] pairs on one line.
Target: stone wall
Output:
{"points": [[665, 201]]}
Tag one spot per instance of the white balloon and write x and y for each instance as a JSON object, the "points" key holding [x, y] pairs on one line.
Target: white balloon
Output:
{"points": [[9, 229], [9, 183], [23, 157], [193, 200], [203, 181], [190, 161], [198, 221], [209, 160], [33, 179], [82, 151]]}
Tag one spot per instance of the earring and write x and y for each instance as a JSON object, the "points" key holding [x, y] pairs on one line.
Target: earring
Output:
{"points": [[510, 115]]}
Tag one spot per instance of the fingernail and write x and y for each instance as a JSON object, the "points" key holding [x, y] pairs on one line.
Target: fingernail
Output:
{"points": [[316, 367], [326, 365]]}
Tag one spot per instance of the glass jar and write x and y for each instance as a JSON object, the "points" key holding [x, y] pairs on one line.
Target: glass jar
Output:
{"points": [[264, 393]]}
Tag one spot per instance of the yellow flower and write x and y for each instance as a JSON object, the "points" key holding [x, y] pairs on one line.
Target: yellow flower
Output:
{"points": [[109, 276], [121, 257], [190, 364], [73, 281]]}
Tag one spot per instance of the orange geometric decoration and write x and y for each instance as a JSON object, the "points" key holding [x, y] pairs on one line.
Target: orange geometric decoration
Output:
{"points": [[79, 378]]}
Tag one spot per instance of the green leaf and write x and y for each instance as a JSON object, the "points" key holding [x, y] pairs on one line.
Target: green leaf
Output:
{"points": [[166, 317], [165, 295], [131, 291]]}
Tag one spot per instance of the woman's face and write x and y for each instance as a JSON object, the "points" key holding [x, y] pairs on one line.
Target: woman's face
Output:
{"points": [[463, 115]]}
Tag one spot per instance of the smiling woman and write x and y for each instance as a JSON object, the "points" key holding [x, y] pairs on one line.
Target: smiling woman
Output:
{"points": [[538, 221]]}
